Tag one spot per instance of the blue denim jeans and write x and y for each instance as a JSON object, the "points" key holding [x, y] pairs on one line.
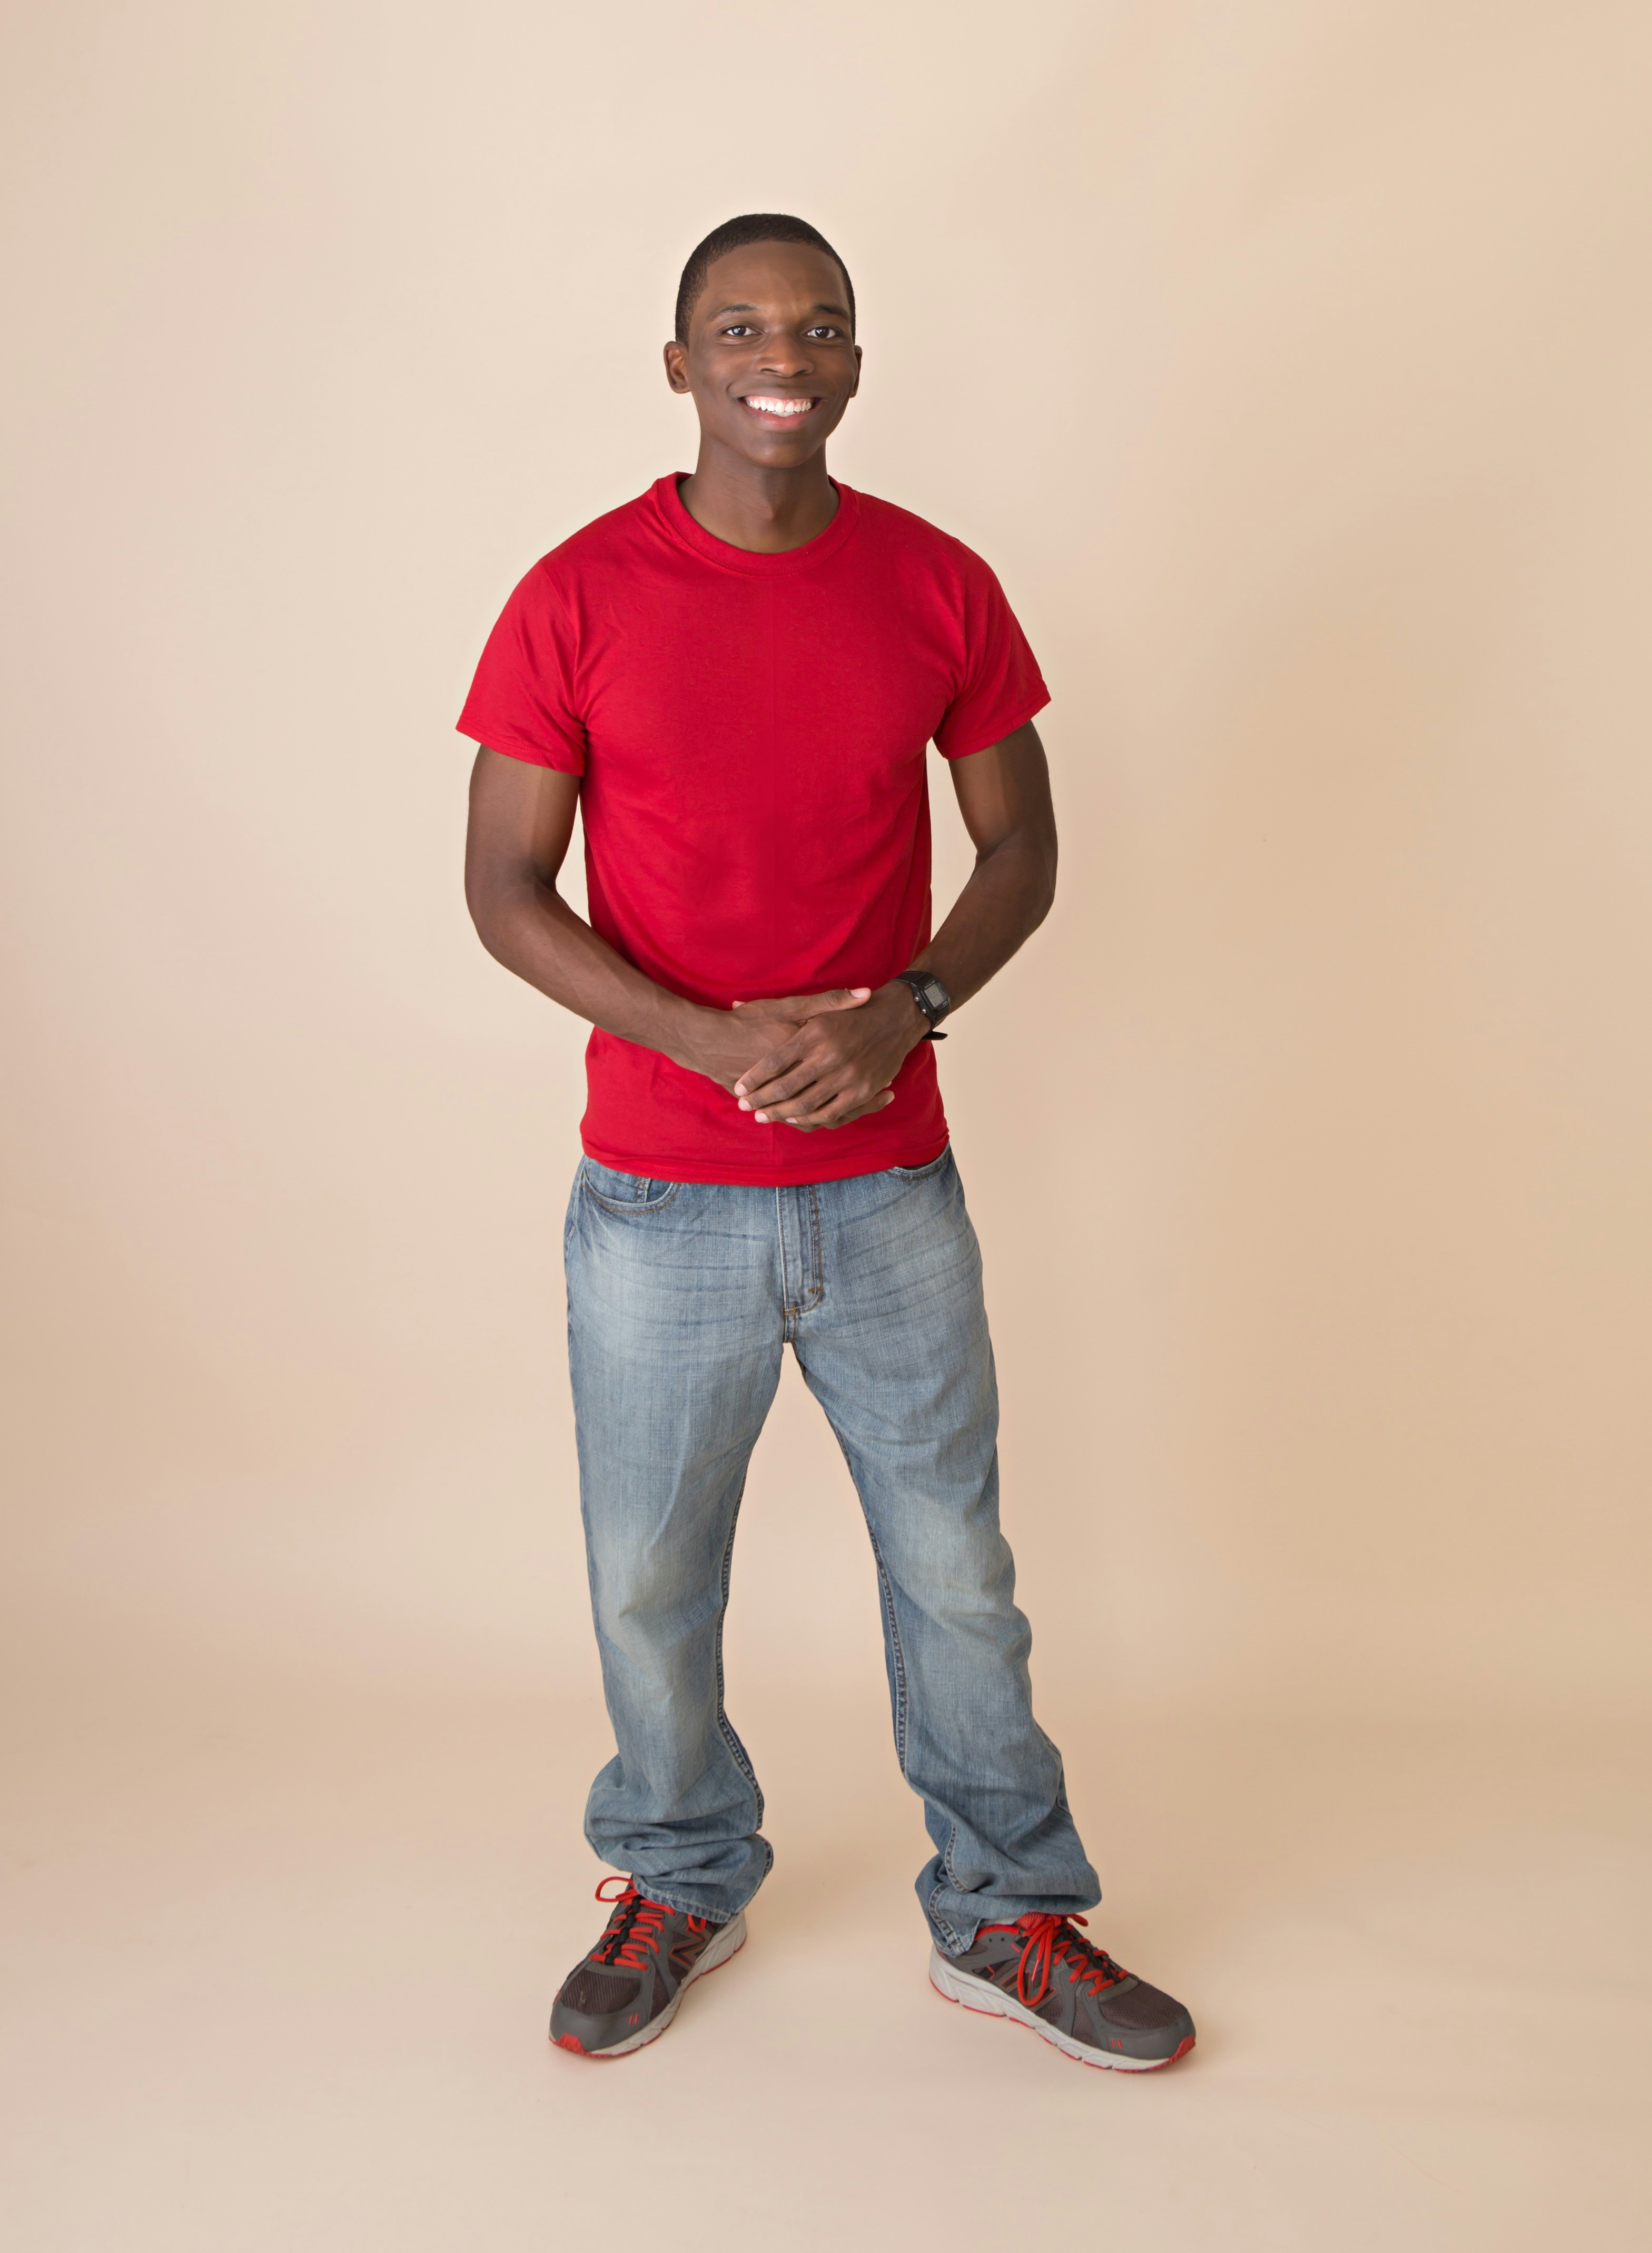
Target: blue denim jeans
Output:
{"points": [[681, 1297]]}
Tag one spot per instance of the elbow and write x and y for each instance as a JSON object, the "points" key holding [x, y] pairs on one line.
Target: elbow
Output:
{"points": [[1044, 896], [489, 914], [478, 907], [508, 910]]}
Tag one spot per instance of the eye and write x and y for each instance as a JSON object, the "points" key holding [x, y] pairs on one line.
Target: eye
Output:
{"points": [[824, 328], [738, 329]]}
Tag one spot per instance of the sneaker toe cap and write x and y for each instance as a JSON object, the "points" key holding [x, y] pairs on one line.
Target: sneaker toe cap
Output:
{"points": [[1138, 2020], [594, 2009]]}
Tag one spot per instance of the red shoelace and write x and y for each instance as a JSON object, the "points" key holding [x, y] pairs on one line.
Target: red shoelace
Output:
{"points": [[1047, 1941], [634, 1927]]}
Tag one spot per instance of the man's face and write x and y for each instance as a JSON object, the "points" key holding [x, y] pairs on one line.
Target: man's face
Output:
{"points": [[770, 359]]}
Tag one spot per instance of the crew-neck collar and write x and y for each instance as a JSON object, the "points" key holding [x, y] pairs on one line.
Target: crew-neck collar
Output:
{"points": [[755, 563]]}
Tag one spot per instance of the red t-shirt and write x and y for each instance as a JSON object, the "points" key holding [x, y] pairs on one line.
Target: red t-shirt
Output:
{"points": [[751, 730]]}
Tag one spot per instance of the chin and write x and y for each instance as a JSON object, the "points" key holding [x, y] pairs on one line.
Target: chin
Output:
{"points": [[781, 454]]}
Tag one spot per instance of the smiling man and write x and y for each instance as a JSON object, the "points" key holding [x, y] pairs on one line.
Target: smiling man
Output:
{"points": [[735, 677]]}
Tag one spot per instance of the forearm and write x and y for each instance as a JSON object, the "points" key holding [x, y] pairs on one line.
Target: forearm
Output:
{"points": [[1006, 899], [841, 1069], [523, 923], [531, 929]]}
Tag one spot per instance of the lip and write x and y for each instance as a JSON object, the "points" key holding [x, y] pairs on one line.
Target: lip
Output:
{"points": [[800, 405]]}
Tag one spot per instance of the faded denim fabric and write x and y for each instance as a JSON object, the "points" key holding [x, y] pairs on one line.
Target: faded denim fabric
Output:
{"points": [[681, 1296]]}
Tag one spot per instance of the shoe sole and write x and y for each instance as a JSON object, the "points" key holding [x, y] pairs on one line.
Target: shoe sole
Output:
{"points": [[991, 2003], [729, 1941]]}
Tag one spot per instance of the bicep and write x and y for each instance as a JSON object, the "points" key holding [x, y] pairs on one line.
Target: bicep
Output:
{"points": [[1004, 791], [521, 819]]}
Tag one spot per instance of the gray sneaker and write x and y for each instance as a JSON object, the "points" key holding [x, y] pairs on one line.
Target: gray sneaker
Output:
{"points": [[628, 1989], [1043, 1974]]}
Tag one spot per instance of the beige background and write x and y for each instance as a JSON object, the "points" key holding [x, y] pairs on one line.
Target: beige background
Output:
{"points": [[1290, 361]]}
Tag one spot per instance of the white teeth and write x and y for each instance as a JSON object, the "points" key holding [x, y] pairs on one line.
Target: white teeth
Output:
{"points": [[780, 406]]}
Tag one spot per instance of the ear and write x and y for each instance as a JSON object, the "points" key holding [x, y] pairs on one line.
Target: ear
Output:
{"points": [[856, 386], [676, 365]]}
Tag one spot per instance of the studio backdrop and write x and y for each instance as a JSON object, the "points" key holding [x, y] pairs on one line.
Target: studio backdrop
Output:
{"points": [[1290, 364]]}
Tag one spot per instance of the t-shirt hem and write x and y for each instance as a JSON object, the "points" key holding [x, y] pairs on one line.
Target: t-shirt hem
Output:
{"points": [[561, 761], [970, 745], [796, 1175]]}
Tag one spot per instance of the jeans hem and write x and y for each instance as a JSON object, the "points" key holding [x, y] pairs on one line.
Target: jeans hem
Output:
{"points": [[649, 1891], [958, 1938]]}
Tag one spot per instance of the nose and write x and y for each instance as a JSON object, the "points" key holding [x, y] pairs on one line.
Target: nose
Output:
{"points": [[786, 354]]}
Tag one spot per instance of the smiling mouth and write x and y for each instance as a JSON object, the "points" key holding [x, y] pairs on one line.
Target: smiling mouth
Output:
{"points": [[772, 407]]}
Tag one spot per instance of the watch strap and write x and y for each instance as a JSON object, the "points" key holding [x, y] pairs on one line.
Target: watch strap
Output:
{"points": [[915, 981]]}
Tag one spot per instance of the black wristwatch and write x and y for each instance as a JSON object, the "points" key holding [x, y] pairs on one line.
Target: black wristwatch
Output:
{"points": [[931, 995]]}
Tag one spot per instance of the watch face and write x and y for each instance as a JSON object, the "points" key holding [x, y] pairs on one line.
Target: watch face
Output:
{"points": [[935, 993]]}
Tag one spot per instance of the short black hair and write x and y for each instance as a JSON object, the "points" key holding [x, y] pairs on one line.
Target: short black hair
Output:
{"points": [[736, 234]]}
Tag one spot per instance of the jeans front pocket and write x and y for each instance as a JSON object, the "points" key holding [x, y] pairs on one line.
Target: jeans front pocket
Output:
{"points": [[624, 1193], [923, 1173]]}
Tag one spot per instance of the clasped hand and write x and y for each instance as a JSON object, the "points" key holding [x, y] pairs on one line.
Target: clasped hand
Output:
{"points": [[819, 1060]]}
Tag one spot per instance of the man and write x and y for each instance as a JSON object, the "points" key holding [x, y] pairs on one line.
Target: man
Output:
{"points": [[736, 677]]}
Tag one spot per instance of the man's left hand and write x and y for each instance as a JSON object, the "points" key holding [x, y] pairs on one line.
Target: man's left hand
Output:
{"points": [[837, 1067]]}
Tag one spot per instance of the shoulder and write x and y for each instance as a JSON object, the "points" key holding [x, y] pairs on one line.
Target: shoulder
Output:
{"points": [[921, 543], [596, 549]]}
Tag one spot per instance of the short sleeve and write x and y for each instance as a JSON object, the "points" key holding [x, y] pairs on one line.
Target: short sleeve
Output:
{"points": [[1001, 687], [523, 701]]}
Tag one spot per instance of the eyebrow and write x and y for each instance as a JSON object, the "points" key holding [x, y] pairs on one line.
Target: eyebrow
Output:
{"points": [[842, 312]]}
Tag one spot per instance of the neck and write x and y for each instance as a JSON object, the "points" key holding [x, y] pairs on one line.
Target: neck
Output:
{"points": [[767, 510]]}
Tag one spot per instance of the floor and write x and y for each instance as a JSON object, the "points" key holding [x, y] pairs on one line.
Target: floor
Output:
{"points": [[278, 1961]]}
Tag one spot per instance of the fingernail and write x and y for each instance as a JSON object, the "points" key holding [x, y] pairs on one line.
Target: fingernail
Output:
{"points": [[761, 1118], [859, 992], [744, 1105]]}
